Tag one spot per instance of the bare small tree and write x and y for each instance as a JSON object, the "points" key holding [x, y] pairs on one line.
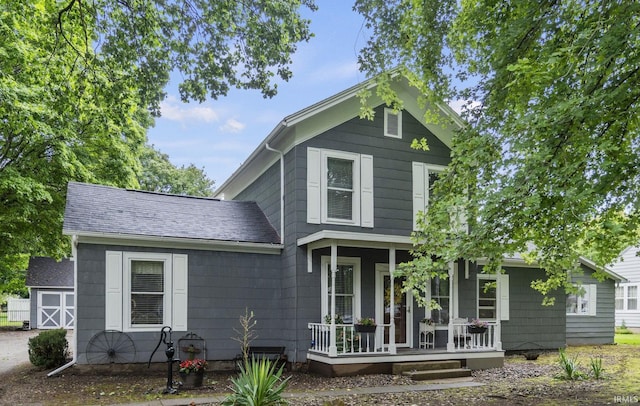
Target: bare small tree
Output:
{"points": [[246, 334]]}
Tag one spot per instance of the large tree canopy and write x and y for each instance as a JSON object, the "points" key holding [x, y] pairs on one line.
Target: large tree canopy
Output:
{"points": [[80, 81], [158, 174], [549, 162]]}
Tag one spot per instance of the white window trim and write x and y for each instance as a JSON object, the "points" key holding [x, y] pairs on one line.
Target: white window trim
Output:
{"points": [[362, 202], [590, 292], [480, 281], [128, 257], [118, 290], [420, 175], [355, 201], [625, 298], [387, 113], [325, 262]]}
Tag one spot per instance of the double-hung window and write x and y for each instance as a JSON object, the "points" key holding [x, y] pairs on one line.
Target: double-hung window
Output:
{"points": [[583, 303], [627, 297], [145, 291], [487, 297], [347, 288], [424, 175], [392, 123], [339, 188], [440, 295]]}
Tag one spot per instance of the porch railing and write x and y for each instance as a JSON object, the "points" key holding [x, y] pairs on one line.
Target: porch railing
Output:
{"points": [[464, 340], [348, 341]]}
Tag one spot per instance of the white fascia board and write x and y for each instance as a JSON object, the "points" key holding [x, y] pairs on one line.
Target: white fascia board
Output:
{"points": [[354, 239], [322, 116], [590, 264], [521, 263], [175, 242]]}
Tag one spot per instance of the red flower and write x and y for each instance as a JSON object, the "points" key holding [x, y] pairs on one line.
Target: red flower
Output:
{"points": [[193, 365]]}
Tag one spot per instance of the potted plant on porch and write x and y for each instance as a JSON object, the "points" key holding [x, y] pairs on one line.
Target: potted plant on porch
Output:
{"points": [[192, 372], [365, 325]]}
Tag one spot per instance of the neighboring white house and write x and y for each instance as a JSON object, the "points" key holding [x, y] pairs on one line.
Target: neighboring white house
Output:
{"points": [[627, 306]]}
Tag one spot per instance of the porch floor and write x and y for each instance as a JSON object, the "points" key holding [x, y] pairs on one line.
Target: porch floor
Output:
{"points": [[374, 363]]}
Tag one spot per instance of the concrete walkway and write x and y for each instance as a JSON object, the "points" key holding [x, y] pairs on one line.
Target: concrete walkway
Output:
{"points": [[14, 348], [446, 384]]}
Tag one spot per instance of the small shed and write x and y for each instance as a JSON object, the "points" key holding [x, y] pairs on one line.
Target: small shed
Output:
{"points": [[51, 287]]}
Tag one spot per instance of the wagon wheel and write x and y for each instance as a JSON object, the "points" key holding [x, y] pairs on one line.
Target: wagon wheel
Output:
{"points": [[110, 346]]}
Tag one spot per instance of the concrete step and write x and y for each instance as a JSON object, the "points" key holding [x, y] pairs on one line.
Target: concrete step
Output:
{"points": [[438, 374], [400, 367]]}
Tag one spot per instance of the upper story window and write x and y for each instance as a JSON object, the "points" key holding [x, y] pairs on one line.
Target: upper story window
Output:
{"points": [[424, 175], [392, 123], [145, 291], [584, 302], [341, 184], [339, 187]]}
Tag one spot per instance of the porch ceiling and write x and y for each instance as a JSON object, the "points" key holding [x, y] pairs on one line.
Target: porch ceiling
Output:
{"points": [[325, 237]]}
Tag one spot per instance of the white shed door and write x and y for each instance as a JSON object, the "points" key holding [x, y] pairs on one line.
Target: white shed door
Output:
{"points": [[56, 310]]}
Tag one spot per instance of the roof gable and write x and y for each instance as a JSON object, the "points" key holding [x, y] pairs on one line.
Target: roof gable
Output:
{"points": [[47, 272], [93, 210], [324, 115]]}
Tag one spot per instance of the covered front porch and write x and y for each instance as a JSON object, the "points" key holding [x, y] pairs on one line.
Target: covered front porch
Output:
{"points": [[358, 280]]}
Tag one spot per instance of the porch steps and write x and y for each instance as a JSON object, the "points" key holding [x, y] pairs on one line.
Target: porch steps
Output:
{"points": [[430, 370]]}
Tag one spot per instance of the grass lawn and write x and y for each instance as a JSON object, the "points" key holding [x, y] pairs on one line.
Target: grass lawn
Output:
{"points": [[5, 323], [628, 339]]}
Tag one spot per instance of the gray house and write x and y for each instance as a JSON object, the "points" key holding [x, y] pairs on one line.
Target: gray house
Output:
{"points": [[50, 284], [306, 234], [591, 314]]}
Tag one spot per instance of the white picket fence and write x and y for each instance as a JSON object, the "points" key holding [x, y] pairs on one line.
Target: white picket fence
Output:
{"points": [[18, 310]]}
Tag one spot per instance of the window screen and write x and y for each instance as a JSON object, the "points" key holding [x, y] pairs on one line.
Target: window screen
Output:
{"points": [[147, 292], [339, 188]]}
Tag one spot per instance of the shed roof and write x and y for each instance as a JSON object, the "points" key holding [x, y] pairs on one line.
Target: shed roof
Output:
{"points": [[47, 272], [112, 212]]}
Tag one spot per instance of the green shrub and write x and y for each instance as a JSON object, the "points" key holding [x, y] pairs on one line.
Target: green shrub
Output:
{"points": [[49, 349], [259, 384]]}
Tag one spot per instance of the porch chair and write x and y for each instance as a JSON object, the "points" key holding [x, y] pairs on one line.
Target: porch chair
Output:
{"points": [[460, 336], [427, 335]]}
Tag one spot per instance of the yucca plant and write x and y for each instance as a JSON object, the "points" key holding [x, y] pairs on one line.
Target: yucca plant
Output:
{"points": [[569, 366], [259, 384], [596, 368]]}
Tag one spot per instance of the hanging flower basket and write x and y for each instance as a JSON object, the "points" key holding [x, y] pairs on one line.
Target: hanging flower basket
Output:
{"points": [[476, 329], [363, 328]]}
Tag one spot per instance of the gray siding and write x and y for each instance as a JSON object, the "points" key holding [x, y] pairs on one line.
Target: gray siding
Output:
{"points": [[392, 172], [531, 325], [221, 286], [266, 192], [598, 329]]}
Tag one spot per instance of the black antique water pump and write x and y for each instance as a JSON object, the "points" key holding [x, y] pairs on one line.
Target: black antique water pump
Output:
{"points": [[169, 352]]}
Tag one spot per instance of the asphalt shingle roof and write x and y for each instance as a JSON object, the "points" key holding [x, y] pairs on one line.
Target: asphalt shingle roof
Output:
{"points": [[104, 209], [47, 272]]}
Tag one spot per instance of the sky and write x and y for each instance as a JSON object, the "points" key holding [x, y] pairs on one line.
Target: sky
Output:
{"points": [[219, 135]]}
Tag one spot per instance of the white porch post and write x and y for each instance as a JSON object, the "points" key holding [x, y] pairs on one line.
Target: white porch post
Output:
{"points": [[498, 332], [333, 348], [392, 301], [451, 346]]}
